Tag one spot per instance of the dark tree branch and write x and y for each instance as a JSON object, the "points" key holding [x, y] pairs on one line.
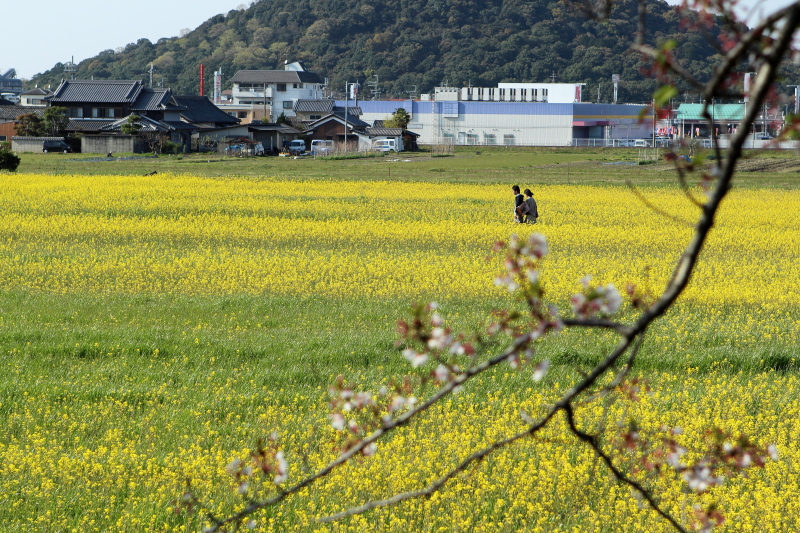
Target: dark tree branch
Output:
{"points": [[678, 282], [592, 442]]}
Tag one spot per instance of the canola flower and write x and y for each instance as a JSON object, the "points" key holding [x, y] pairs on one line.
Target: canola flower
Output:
{"points": [[77, 457], [191, 235], [96, 464]]}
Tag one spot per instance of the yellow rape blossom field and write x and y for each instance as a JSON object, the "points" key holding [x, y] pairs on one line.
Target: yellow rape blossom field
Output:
{"points": [[154, 327]]}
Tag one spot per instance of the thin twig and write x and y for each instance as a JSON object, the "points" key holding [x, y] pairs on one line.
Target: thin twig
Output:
{"points": [[656, 209], [592, 442], [677, 283]]}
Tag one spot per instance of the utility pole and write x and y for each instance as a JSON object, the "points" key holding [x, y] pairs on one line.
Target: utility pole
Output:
{"points": [[151, 75], [796, 107], [374, 87], [70, 68]]}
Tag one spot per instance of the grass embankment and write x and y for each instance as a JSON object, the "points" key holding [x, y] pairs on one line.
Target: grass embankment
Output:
{"points": [[154, 327]]}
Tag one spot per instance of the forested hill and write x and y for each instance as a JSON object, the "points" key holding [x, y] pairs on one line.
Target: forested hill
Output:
{"points": [[410, 43]]}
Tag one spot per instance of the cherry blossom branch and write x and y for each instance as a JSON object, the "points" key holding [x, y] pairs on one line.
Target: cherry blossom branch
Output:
{"points": [[565, 404], [674, 288], [388, 426]]}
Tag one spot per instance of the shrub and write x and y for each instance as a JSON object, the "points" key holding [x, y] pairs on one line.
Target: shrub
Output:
{"points": [[170, 147], [8, 160]]}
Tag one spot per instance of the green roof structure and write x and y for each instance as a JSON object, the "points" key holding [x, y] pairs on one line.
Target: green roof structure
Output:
{"points": [[719, 112]]}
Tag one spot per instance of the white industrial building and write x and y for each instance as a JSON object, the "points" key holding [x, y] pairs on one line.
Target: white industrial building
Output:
{"points": [[510, 123], [554, 93]]}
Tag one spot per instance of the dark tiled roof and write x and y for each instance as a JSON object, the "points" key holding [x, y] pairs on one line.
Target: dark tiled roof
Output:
{"points": [[147, 124], [38, 91], [352, 119], [11, 112], [275, 76], [351, 111], [179, 125], [313, 106], [385, 132], [377, 123], [100, 91], [280, 128], [354, 122], [152, 100], [88, 124], [200, 109]]}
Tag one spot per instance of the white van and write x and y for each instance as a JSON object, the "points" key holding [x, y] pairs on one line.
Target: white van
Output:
{"points": [[386, 145], [297, 147], [640, 143], [319, 147]]}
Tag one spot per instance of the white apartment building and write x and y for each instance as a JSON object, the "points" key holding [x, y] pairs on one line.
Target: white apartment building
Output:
{"points": [[276, 90]]}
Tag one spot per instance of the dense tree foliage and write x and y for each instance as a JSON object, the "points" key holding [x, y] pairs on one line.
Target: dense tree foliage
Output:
{"points": [[55, 120], [415, 45], [8, 160], [28, 125]]}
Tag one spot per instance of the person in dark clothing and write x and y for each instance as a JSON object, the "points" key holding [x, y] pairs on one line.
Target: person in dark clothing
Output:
{"points": [[533, 210], [518, 199]]}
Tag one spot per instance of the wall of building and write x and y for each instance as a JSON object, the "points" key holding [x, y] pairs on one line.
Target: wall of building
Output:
{"points": [[7, 131], [104, 144], [31, 144], [511, 123]]}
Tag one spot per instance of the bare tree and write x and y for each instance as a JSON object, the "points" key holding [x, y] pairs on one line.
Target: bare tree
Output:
{"points": [[456, 359]]}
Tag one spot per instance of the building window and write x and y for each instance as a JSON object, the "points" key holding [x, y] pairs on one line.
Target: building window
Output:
{"points": [[75, 112], [287, 104], [3, 138], [508, 139], [296, 86], [489, 138], [232, 113], [281, 87], [544, 95], [241, 114], [472, 138], [314, 117], [102, 112]]}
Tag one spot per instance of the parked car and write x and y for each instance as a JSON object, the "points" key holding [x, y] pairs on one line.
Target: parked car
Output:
{"points": [[56, 146], [641, 143], [319, 147], [764, 137], [297, 147], [386, 145], [663, 141]]}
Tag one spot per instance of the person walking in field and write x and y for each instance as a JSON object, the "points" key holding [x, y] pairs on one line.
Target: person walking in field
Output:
{"points": [[518, 200], [533, 210]]}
